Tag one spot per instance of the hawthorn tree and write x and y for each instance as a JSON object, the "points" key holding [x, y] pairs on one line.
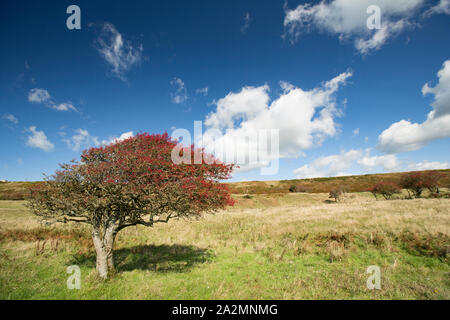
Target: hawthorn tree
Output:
{"points": [[431, 181], [417, 182], [386, 189], [413, 182], [132, 182]]}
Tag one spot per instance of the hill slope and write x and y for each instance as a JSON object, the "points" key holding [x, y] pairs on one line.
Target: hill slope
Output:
{"points": [[359, 183], [19, 190]]}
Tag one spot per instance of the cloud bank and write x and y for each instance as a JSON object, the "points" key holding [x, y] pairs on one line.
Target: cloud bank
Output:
{"points": [[353, 160], [407, 136], [303, 118]]}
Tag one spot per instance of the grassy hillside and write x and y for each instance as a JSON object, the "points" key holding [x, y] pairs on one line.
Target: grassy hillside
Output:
{"points": [[359, 183], [15, 190], [19, 190], [278, 246]]}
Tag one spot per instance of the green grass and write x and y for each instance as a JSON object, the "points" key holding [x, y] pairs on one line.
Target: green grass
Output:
{"points": [[270, 247]]}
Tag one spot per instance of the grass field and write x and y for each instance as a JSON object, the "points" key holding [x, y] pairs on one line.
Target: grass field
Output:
{"points": [[277, 246]]}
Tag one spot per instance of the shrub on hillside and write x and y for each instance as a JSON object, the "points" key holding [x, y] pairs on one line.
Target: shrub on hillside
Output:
{"points": [[431, 181], [336, 193], [386, 189], [298, 188], [413, 182], [417, 182]]}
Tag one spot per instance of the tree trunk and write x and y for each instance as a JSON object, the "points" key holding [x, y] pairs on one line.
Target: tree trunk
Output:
{"points": [[104, 247], [109, 244]]}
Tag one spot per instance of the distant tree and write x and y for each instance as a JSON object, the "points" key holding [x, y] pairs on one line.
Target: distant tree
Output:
{"points": [[293, 188], [386, 189], [431, 181], [336, 193], [413, 182], [133, 182]]}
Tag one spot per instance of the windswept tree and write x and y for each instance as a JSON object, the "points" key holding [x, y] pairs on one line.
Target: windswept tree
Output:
{"points": [[417, 182], [413, 182], [133, 182], [386, 189], [431, 181]]}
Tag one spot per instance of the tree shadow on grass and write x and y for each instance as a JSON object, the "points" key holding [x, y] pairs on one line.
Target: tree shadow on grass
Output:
{"points": [[158, 258]]}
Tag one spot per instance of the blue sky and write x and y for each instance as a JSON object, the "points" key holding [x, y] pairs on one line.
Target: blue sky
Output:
{"points": [[141, 66]]}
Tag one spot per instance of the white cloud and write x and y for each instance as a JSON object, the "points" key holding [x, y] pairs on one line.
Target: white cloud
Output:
{"points": [[122, 137], [347, 163], [82, 140], [119, 53], [43, 96], [356, 132], [442, 7], [38, 139], [180, 94], [428, 165], [330, 166], [386, 162], [407, 136], [38, 96], [246, 25], [303, 118], [11, 118], [379, 38], [203, 91], [441, 92], [348, 20], [64, 107]]}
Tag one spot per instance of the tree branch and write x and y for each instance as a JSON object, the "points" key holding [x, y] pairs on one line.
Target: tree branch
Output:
{"points": [[124, 225], [65, 220]]}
